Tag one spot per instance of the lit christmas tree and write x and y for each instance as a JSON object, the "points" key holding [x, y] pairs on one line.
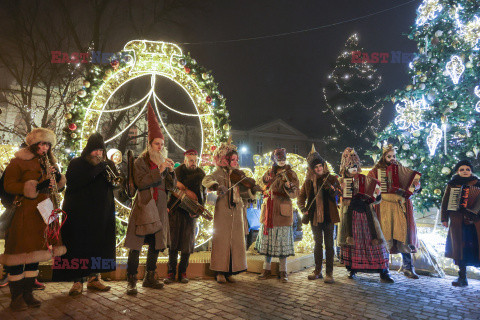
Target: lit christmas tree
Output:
{"points": [[437, 113], [351, 99]]}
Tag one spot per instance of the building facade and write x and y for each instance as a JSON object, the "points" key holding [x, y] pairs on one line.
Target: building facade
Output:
{"points": [[269, 136]]}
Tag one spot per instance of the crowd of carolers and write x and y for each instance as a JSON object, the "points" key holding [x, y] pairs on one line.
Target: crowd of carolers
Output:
{"points": [[368, 231]]}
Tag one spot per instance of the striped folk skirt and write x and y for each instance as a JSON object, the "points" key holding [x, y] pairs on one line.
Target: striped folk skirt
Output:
{"points": [[363, 255]]}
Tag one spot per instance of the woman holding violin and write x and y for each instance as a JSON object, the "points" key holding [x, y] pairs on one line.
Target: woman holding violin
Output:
{"points": [[228, 241], [275, 238]]}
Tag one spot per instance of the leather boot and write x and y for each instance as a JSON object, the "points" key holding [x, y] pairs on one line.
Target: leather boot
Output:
{"points": [[462, 278], [385, 277], [170, 278], [182, 278], [353, 275], [265, 274], [316, 274], [283, 276], [16, 292], [150, 282], [30, 300], [38, 285], [132, 284], [408, 269]]}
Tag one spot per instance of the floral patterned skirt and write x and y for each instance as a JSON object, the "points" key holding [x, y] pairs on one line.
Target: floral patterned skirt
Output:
{"points": [[278, 242]]}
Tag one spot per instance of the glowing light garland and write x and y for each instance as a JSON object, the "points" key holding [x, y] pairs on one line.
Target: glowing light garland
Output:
{"points": [[477, 93], [361, 72], [471, 31], [428, 10], [434, 138], [150, 58], [455, 68], [410, 116]]}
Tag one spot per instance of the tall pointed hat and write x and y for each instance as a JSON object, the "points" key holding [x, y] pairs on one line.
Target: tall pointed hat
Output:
{"points": [[154, 130], [314, 158]]}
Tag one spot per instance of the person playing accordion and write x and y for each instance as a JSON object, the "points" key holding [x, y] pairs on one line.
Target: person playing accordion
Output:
{"points": [[463, 242]]}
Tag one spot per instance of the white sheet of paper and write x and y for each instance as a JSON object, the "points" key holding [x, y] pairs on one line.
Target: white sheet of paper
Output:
{"points": [[45, 208]]}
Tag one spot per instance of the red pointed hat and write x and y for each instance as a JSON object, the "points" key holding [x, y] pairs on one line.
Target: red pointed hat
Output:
{"points": [[154, 130]]}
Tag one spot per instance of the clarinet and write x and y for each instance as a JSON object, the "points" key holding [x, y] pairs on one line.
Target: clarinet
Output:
{"points": [[53, 191]]}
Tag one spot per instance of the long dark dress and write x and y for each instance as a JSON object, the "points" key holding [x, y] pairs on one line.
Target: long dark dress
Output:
{"points": [[89, 231]]}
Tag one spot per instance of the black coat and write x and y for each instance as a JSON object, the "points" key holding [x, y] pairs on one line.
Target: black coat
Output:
{"points": [[182, 226], [89, 231]]}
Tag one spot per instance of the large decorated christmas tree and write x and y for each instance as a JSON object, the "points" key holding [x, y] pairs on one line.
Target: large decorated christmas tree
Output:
{"points": [[437, 112], [351, 99]]}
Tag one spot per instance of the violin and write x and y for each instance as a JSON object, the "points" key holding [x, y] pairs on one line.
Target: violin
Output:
{"points": [[237, 176]]}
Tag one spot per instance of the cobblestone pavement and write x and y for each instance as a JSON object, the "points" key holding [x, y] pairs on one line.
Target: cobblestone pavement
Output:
{"points": [[364, 298]]}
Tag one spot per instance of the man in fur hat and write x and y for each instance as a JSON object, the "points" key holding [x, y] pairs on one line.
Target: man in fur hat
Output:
{"points": [[153, 174], [26, 177], [395, 214], [275, 237], [182, 224], [89, 231], [318, 201], [228, 242]]}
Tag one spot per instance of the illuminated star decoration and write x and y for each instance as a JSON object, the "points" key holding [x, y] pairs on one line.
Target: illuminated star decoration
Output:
{"points": [[455, 68], [411, 114], [471, 31], [428, 11], [434, 138], [477, 93]]}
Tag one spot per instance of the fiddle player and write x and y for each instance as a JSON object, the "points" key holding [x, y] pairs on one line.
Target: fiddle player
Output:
{"points": [[318, 203], [182, 223], [275, 237], [148, 223], [228, 242], [89, 230]]}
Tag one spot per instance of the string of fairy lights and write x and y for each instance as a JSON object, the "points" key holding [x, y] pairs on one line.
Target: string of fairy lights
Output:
{"points": [[344, 73]]}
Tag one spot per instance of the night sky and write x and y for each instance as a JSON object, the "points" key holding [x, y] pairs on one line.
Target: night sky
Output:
{"points": [[277, 77], [282, 77]]}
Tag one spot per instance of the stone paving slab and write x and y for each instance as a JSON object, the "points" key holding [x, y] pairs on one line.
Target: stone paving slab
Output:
{"points": [[364, 298]]}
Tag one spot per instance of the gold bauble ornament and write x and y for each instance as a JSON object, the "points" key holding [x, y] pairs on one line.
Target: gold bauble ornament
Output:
{"points": [[68, 116], [437, 192]]}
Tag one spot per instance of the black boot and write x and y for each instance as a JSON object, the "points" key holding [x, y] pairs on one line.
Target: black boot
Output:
{"points": [[150, 282], [28, 285], [385, 276], [462, 278], [16, 292], [132, 284], [353, 275], [408, 269]]}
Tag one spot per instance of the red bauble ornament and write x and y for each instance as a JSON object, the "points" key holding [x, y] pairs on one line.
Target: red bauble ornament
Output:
{"points": [[72, 126], [208, 99], [115, 64], [187, 69], [213, 148]]}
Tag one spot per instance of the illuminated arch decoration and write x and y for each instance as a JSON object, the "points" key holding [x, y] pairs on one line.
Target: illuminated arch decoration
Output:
{"points": [[299, 165], [142, 58]]}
